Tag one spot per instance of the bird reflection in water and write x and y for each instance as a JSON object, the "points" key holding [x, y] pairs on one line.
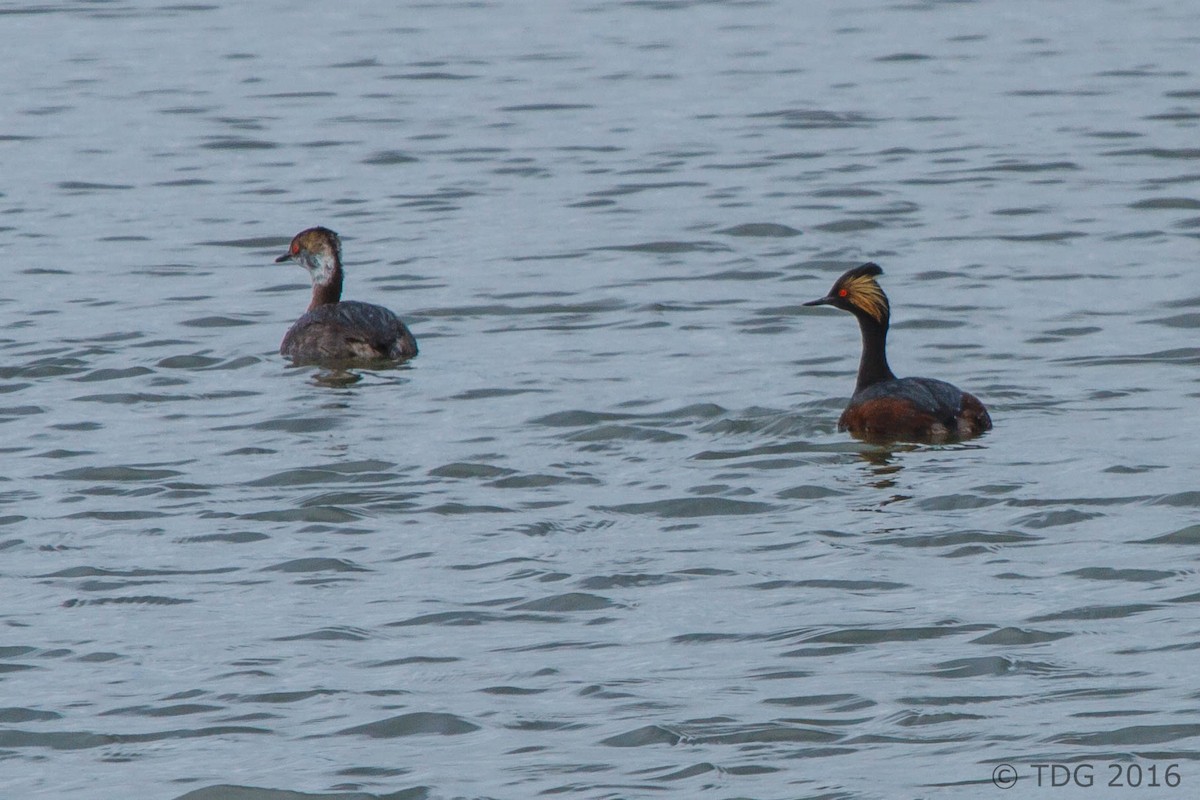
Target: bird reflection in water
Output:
{"points": [[884, 467]]}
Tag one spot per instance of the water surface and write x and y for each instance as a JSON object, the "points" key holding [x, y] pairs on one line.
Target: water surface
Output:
{"points": [[602, 538]]}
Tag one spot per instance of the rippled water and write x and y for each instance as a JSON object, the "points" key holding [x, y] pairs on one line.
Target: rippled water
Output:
{"points": [[601, 539]]}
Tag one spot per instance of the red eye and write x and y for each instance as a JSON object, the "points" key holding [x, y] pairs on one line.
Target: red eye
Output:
{"points": [[295, 248], [842, 293]]}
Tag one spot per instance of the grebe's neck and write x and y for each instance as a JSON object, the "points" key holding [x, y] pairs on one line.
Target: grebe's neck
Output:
{"points": [[873, 366], [326, 272]]}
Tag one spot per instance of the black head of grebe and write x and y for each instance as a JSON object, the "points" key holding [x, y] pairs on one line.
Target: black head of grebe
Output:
{"points": [[885, 407], [332, 330]]}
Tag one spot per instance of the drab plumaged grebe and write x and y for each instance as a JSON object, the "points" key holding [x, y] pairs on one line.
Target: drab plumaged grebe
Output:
{"points": [[885, 407], [333, 330]]}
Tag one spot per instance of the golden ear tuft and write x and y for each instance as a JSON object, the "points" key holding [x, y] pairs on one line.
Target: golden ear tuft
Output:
{"points": [[864, 292]]}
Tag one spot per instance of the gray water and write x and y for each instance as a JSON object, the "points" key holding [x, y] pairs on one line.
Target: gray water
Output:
{"points": [[602, 538]]}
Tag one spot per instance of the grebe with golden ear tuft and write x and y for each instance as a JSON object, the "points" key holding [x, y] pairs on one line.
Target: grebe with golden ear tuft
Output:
{"points": [[885, 407]]}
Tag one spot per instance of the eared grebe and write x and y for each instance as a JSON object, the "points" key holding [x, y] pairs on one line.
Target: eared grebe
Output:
{"points": [[887, 407], [332, 330]]}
